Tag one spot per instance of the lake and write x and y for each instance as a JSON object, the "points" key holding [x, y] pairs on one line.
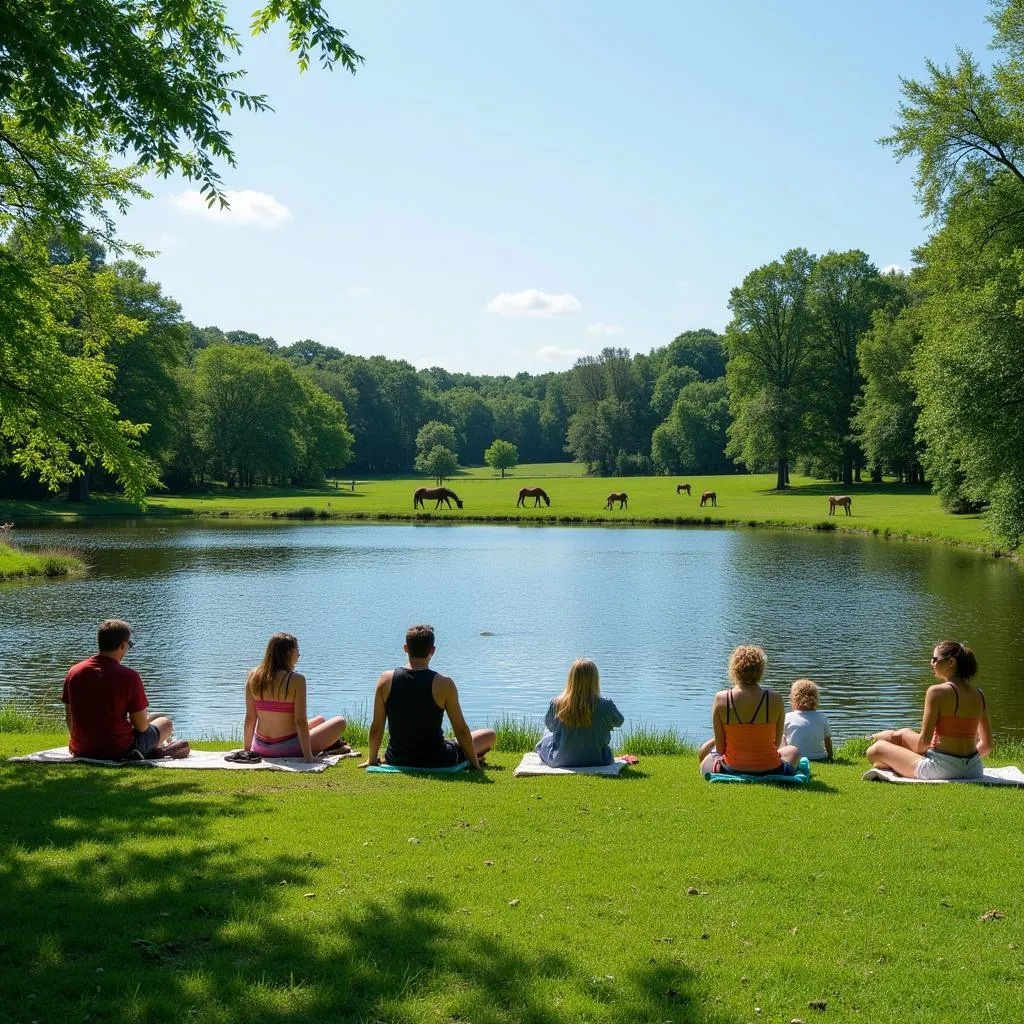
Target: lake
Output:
{"points": [[659, 610]]}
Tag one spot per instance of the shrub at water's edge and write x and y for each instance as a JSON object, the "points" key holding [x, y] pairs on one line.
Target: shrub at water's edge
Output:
{"points": [[17, 564]]}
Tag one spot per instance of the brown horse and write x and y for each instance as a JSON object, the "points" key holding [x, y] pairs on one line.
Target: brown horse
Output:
{"points": [[438, 493], [537, 493], [842, 500], [707, 496], [682, 487], [622, 499]]}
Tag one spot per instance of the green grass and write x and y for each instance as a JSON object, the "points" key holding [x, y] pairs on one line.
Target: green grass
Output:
{"points": [[142, 895], [18, 564], [887, 510]]}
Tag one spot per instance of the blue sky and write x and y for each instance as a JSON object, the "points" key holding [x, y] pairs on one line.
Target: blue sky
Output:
{"points": [[505, 186]]}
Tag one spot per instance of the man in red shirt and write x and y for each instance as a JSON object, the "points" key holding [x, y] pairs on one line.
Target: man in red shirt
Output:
{"points": [[106, 705]]}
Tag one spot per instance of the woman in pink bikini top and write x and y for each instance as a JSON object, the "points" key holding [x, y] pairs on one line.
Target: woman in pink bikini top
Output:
{"points": [[956, 732], [275, 708]]}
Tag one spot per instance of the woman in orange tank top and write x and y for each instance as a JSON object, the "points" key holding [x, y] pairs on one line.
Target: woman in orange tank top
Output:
{"points": [[956, 732], [748, 722]]}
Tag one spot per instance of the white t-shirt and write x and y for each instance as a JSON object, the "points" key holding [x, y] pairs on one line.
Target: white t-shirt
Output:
{"points": [[806, 730]]}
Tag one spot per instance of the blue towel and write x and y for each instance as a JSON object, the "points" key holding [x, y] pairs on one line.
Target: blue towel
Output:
{"points": [[401, 768], [803, 773]]}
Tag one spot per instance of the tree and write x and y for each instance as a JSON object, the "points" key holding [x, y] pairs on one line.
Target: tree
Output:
{"points": [[844, 290], [501, 455], [79, 84], [769, 370], [886, 418], [433, 434], [439, 462], [148, 77], [692, 438], [965, 129]]}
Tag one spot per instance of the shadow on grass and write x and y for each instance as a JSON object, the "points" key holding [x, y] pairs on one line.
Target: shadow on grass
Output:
{"points": [[129, 899]]}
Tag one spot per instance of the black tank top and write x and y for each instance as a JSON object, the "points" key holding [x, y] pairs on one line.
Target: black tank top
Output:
{"points": [[414, 719]]}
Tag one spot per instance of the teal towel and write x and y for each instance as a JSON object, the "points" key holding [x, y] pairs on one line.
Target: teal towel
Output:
{"points": [[401, 769], [803, 773]]}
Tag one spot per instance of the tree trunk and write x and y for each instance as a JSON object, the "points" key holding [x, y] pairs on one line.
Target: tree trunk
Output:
{"points": [[782, 479], [876, 474], [78, 489]]}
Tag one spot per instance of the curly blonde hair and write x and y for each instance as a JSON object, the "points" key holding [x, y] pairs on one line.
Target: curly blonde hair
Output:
{"points": [[747, 664], [805, 695]]}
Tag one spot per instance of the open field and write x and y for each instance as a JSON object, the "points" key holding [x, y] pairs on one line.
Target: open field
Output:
{"points": [[888, 509], [140, 895]]}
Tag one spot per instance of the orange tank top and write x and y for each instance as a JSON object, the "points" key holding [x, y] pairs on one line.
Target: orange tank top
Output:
{"points": [[953, 726], [750, 746]]}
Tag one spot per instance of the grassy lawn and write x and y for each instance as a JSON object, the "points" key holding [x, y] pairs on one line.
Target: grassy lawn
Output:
{"points": [[17, 564], [887, 509], [141, 895]]}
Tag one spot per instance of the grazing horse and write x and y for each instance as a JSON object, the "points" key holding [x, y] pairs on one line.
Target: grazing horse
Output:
{"points": [[537, 493], [842, 500], [622, 499], [438, 493], [707, 496], [682, 487]]}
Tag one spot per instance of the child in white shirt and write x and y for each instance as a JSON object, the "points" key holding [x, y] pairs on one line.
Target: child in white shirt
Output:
{"points": [[806, 727]]}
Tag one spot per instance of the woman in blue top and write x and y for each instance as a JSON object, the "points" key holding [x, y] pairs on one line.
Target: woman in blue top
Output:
{"points": [[579, 722]]}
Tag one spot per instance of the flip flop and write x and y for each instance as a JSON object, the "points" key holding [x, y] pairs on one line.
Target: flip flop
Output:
{"points": [[243, 757], [337, 747], [176, 749]]}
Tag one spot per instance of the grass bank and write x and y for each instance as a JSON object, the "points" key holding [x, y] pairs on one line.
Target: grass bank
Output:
{"points": [[18, 564], [145, 896], [888, 510]]}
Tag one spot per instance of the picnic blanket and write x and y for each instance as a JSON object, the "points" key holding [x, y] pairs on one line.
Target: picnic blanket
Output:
{"points": [[803, 774], [1011, 775], [197, 759], [401, 769], [531, 764]]}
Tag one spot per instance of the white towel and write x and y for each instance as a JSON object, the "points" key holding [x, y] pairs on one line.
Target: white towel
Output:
{"points": [[198, 759], [531, 764], [1008, 776]]}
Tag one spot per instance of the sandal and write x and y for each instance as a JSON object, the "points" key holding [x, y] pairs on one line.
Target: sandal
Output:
{"points": [[175, 748], [243, 757], [337, 747]]}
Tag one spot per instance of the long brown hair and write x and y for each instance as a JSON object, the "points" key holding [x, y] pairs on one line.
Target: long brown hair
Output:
{"points": [[275, 659], [574, 706]]}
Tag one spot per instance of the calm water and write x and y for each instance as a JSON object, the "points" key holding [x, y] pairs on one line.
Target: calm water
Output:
{"points": [[659, 610]]}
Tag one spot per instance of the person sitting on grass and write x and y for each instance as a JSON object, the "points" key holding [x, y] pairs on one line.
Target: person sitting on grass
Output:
{"points": [[105, 705], [275, 708], [579, 722], [748, 723], [955, 730], [413, 700], [806, 728]]}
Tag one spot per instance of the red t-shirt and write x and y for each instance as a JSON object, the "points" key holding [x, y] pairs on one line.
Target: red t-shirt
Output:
{"points": [[102, 693]]}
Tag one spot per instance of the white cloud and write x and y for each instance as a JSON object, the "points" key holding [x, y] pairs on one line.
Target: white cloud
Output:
{"points": [[892, 268], [555, 354], [357, 291], [604, 329], [245, 207], [533, 302]]}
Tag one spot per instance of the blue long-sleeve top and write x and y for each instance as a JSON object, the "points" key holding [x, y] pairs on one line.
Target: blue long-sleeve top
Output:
{"points": [[565, 747]]}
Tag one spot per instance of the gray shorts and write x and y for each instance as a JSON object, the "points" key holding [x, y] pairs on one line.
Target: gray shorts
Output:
{"points": [[936, 765], [147, 741]]}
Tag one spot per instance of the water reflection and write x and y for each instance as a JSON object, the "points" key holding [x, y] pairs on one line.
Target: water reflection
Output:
{"points": [[659, 610]]}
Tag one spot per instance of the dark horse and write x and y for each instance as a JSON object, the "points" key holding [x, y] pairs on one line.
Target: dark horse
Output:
{"points": [[709, 496], [438, 493], [622, 499], [537, 493], [682, 487]]}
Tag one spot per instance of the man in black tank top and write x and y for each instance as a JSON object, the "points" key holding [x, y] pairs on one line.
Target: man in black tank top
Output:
{"points": [[413, 700]]}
